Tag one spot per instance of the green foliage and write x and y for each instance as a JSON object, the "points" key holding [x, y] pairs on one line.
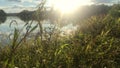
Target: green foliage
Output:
{"points": [[115, 11], [96, 44]]}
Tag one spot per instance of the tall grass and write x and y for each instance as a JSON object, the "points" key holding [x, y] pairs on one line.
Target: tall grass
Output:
{"points": [[96, 44]]}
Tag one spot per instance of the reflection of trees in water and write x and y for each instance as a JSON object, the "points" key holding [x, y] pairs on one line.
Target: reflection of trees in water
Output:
{"points": [[26, 15], [2, 19], [32, 15], [2, 16], [25, 18]]}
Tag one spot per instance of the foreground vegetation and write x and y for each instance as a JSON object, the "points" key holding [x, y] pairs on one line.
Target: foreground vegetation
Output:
{"points": [[95, 44]]}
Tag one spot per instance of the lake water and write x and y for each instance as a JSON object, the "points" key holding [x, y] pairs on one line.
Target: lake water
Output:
{"points": [[6, 29], [5, 26]]}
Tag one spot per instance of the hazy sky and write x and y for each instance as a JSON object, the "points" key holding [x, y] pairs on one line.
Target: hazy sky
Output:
{"points": [[29, 3], [21, 3], [8, 4]]}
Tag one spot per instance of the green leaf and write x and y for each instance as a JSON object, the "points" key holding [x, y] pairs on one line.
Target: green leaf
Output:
{"points": [[15, 38], [33, 28], [13, 21]]}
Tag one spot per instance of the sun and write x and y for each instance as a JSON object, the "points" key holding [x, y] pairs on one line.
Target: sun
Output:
{"points": [[69, 6]]}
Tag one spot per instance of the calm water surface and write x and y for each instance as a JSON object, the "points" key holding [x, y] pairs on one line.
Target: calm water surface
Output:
{"points": [[6, 29]]}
